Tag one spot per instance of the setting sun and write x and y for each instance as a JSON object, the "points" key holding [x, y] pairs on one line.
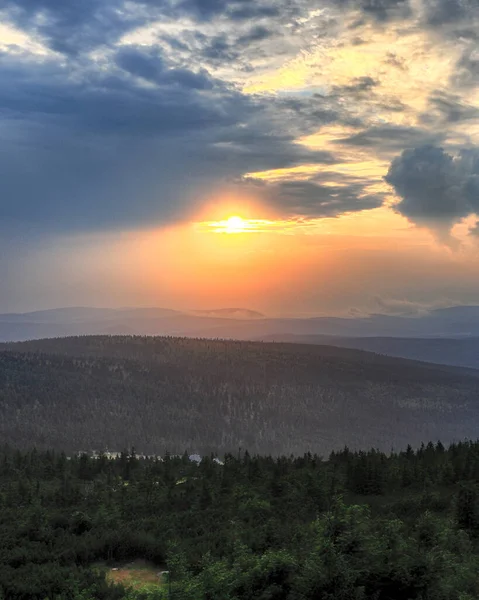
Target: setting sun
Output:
{"points": [[235, 225]]}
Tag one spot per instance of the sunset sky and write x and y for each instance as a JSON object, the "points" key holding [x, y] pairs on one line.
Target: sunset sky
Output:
{"points": [[342, 137]]}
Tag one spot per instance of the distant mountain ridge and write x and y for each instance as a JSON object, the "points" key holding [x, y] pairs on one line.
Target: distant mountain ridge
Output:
{"points": [[84, 313], [232, 313], [459, 352], [459, 324]]}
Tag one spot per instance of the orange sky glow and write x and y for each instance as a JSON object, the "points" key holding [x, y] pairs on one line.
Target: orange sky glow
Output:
{"points": [[283, 267], [319, 161]]}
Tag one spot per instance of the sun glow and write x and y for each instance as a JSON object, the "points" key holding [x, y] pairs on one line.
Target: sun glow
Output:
{"points": [[235, 225]]}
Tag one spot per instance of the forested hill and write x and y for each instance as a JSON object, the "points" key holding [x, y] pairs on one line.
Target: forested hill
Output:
{"points": [[159, 394], [461, 352]]}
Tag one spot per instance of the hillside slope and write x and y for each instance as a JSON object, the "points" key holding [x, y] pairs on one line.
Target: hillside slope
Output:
{"points": [[460, 352], [172, 394]]}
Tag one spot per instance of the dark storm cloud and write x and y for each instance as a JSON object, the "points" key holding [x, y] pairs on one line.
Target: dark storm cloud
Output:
{"points": [[312, 112], [441, 12], [435, 187], [236, 10], [204, 9], [218, 49], [71, 144], [360, 86], [466, 73], [235, 48], [381, 10], [255, 34], [312, 199], [69, 26], [451, 108], [389, 138], [245, 12], [150, 66], [138, 138], [72, 27], [97, 150], [113, 104]]}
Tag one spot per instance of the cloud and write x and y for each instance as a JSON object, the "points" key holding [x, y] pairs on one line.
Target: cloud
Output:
{"points": [[130, 114], [357, 86], [312, 199], [113, 131], [74, 28], [325, 201], [437, 189], [474, 231], [110, 103], [236, 10], [92, 149], [257, 33], [442, 12], [382, 10], [390, 137], [71, 27], [466, 73], [407, 308], [218, 50], [450, 108], [150, 66]]}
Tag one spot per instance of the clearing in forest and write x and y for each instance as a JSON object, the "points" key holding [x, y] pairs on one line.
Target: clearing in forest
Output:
{"points": [[139, 575]]}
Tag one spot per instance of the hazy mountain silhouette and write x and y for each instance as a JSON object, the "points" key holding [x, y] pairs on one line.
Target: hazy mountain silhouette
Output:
{"points": [[232, 313], [414, 336], [462, 352]]}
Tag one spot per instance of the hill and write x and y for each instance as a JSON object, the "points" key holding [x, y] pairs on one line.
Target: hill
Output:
{"points": [[172, 394], [460, 352], [460, 322], [230, 313], [65, 322]]}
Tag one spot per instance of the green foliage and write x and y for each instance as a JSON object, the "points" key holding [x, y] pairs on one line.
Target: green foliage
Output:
{"points": [[257, 528], [467, 507]]}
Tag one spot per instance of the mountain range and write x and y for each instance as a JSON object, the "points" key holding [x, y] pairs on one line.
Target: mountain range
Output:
{"points": [[460, 352], [446, 336]]}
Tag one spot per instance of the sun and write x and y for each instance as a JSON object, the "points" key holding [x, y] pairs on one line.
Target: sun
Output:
{"points": [[235, 225]]}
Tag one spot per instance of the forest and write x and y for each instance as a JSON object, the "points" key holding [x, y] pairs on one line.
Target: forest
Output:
{"points": [[174, 394], [359, 525], [323, 489]]}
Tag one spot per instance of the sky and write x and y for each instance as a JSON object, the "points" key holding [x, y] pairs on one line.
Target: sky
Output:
{"points": [[342, 136]]}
